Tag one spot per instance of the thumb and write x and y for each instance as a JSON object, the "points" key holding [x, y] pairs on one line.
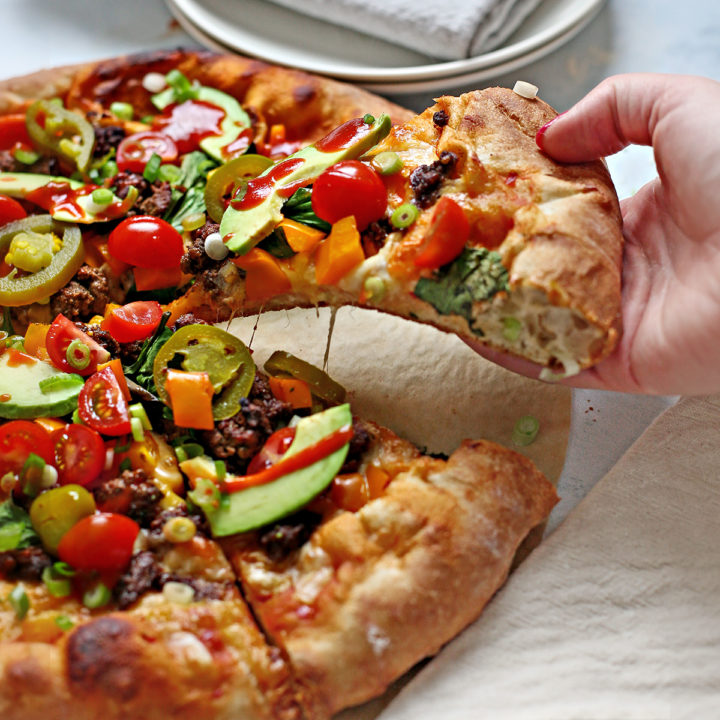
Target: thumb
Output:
{"points": [[621, 111]]}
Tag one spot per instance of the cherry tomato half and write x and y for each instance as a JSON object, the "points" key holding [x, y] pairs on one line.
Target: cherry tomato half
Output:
{"points": [[349, 188], [79, 454], [273, 449], [446, 236], [18, 439], [146, 241], [134, 151], [10, 210], [102, 405], [13, 131], [61, 333], [134, 321], [103, 541]]}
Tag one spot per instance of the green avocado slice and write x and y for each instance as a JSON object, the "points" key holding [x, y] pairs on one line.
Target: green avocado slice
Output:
{"points": [[236, 120], [36, 390], [242, 229], [257, 506], [69, 201]]}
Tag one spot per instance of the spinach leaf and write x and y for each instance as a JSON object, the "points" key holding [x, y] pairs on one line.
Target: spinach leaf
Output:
{"points": [[188, 191], [299, 208], [276, 244], [16, 530], [141, 371], [475, 275]]}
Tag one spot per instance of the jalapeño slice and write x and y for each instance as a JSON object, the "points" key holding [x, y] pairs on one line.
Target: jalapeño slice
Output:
{"points": [[205, 348], [284, 364]]}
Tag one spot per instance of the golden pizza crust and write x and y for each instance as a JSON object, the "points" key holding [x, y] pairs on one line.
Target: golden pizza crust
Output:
{"points": [[373, 592], [156, 660]]}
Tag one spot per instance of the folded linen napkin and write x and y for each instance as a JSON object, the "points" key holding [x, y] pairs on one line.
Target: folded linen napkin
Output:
{"points": [[447, 29], [616, 615]]}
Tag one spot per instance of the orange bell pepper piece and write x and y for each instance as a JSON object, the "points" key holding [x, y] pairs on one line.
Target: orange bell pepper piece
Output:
{"points": [[301, 238], [35, 340], [97, 254], [157, 278], [264, 275], [339, 253], [290, 390], [50, 424], [117, 370], [191, 396]]}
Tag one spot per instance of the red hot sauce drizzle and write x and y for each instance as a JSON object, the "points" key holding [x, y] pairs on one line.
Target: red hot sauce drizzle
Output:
{"points": [[59, 196], [261, 187], [344, 136], [190, 122]]}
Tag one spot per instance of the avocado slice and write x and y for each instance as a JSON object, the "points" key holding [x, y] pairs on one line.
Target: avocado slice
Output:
{"points": [[241, 230], [25, 398], [235, 121], [81, 208], [250, 509]]}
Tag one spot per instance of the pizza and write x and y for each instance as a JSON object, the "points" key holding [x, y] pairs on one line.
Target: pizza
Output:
{"points": [[183, 532]]}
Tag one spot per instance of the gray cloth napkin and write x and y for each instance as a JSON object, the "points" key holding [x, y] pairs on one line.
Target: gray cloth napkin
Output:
{"points": [[449, 29]]}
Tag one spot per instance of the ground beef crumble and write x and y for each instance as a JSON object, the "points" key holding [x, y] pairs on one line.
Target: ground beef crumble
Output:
{"points": [[196, 260], [24, 564], [290, 534], [107, 138], [84, 296], [42, 166], [153, 198], [426, 180], [237, 439], [374, 235], [132, 494]]}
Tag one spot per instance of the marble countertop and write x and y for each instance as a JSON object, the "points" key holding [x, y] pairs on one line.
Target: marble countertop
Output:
{"points": [[626, 36]]}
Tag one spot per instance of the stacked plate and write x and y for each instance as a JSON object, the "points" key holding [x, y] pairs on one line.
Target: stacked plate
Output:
{"points": [[273, 33]]}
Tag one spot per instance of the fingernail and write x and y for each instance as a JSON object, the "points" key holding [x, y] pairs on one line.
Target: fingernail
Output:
{"points": [[540, 136]]}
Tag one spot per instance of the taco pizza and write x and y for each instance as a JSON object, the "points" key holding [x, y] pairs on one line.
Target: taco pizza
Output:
{"points": [[183, 533]]}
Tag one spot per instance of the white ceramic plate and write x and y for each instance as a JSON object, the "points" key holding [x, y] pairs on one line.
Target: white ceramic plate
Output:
{"points": [[275, 34]]}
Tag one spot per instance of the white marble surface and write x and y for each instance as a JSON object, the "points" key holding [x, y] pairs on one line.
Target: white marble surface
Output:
{"points": [[627, 35]]}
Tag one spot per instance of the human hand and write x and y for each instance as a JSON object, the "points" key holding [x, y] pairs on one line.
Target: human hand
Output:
{"points": [[671, 267]]}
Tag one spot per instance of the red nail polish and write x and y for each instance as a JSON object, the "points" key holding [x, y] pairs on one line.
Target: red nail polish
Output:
{"points": [[540, 136]]}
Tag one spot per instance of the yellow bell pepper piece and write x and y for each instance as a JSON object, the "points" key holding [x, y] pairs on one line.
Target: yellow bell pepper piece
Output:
{"points": [[339, 253], [301, 238], [264, 275]]}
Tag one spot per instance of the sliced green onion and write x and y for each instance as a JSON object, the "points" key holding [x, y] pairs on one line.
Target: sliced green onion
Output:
{"points": [[96, 597], [76, 417], [32, 475], [192, 450], [125, 464], [78, 354], [369, 119], [220, 469], [375, 288], [525, 430], [152, 168], [179, 529], [15, 341], [404, 216], [178, 592], [59, 382], [26, 157], [193, 221], [122, 448], [387, 163], [180, 454], [512, 328], [138, 411], [147, 119], [102, 196], [19, 601], [122, 110], [109, 169], [64, 622], [57, 586], [10, 535], [225, 501], [205, 494], [169, 173], [182, 87], [136, 427], [62, 568]]}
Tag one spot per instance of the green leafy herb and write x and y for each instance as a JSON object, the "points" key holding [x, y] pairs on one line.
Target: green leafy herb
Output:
{"points": [[7, 322], [141, 371], [475, 275], [16, 530], [64, 622], [19, 601], [276, 244], [188, 189], [299, 208]]}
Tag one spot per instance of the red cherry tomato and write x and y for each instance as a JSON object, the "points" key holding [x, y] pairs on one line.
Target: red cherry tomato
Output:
{"points": [[13, 131], [79, 454], [61, 333], [10, 210], [146, 241], [134, 151], [102, 405], [18, 439], [446, 236], [273, 449], [349, 188], [134, 321], [103, 542]]}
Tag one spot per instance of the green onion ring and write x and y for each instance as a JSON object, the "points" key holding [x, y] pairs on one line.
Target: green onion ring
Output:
{"points": [[404, 216], [57, 586], [96, 597], [387, 163], [525, 430], [78, 354]]}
